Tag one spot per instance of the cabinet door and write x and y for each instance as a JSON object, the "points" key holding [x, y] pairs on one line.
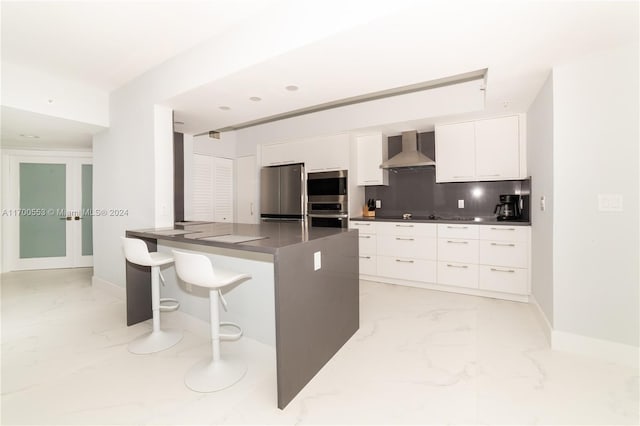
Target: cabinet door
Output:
{"points": [[455, 152], [498, 148], [372, 150], [282, 153], [326, 153]]}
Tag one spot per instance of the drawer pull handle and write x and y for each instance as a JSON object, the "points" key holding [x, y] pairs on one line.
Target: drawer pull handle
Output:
{"points": [[404, 239], [502, 229], [503, 270], [503, 245], [362, 224], [365, 257], [404, 261], [493, 175], [457, 266], [365, 236], [458, 227], [404, 226], [457, 242], [458, 177]]}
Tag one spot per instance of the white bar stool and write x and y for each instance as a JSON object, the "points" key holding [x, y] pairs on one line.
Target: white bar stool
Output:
{"points": [[211, 374], [135, 250]]}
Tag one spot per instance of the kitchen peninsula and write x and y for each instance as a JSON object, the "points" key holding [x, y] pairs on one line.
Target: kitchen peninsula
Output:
{"points": [[302, 298]]}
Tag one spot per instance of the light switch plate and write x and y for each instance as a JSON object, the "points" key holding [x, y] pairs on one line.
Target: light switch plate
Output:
{"points": [[461, 204], [317, 260], [610, 202]]}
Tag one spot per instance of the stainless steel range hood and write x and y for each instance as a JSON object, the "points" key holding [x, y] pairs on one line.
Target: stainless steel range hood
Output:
{"points": [[410, 156]]}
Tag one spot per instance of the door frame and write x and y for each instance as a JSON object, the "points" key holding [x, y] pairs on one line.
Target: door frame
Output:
{"points": [[11, 200]]}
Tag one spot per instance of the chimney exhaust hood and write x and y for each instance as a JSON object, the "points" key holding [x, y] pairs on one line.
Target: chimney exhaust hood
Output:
{"points": [[410, 156]]}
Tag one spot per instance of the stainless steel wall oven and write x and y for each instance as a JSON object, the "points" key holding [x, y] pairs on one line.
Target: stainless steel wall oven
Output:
{"points": [[327, 204]]}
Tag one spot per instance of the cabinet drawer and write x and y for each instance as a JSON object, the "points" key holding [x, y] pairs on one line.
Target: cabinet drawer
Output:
{"points": [[412, 247], [458, 274], [368, 264], [507, 280], [363, 226], [402, 229], [502, 253], [407, 269], [450, 230], [504, 233], [457, 250], [367, 243]]}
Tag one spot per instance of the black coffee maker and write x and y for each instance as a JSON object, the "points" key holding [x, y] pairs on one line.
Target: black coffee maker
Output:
{"points": [[510, 207]]}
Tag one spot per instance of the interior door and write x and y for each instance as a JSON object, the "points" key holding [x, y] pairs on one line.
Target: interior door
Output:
{"points": [[47, 219]]}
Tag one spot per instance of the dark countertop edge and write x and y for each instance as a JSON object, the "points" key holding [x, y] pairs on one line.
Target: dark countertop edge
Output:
{"points": [[182, 239], [229, 246], [466, 222]]}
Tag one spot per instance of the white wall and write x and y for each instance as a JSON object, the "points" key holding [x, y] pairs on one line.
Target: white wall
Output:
{"points": [[163, 175], [540, 166], [596, 253], [30, 90]]}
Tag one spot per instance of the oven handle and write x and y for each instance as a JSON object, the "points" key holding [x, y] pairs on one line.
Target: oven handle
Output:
{"points": [[329, 216]]}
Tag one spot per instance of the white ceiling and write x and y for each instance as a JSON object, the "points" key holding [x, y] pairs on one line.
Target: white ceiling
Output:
{"points": [[19, 126], [106, 44]]}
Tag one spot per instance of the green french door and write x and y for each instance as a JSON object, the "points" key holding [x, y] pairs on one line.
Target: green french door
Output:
{"points": [[52, 212]]}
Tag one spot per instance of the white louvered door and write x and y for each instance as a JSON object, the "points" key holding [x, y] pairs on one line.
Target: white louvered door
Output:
{"points": [[212, 189]]}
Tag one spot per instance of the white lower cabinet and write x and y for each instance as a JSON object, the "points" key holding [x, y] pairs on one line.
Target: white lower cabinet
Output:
{"points": [[407, 269], [458, 274], [506, 280], [414, 247], [492, 260], [368, 264], [367, 246]]}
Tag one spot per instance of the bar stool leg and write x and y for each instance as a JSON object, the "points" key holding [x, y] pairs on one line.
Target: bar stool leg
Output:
{"points": [[214, 374], [156, 340]]}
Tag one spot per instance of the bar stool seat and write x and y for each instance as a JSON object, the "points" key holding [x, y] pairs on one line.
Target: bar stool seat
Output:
{"points": [[212, 374], [157, 339]]}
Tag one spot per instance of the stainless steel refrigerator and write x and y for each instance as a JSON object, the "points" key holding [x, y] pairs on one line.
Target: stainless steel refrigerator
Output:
{"points": [[282, 193]]}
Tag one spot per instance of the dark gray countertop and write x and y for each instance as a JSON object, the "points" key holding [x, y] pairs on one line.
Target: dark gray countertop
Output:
{"points": [[274, 235], [482, 220]]}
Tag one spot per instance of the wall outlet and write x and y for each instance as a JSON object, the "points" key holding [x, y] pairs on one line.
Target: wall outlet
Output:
{"points": [[543, 203], [188, 288], [610, 202], [461, 204], [317, 260], [378, 204]]}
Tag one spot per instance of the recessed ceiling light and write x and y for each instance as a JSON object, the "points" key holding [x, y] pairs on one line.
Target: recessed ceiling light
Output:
{"points": [[255, 99], [30, 136], [292, 88], [225, 108]]}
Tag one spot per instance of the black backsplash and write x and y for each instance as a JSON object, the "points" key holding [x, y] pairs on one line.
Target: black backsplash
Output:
{"points": [[416, 191]]}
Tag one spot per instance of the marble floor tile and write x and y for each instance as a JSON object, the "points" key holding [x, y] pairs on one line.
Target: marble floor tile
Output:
{"points": [[419, 357]]}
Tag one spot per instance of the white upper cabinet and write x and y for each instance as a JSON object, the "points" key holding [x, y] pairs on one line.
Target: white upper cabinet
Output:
{"points": [[326, 153], [372, 150], [318, 154], [498, 148], [455, 152], [282, 153], [492, 149]]}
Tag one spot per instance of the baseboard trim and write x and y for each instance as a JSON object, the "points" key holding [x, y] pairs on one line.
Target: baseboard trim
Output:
{"points": [[109, 287], [605, 350], [542, 318]]}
